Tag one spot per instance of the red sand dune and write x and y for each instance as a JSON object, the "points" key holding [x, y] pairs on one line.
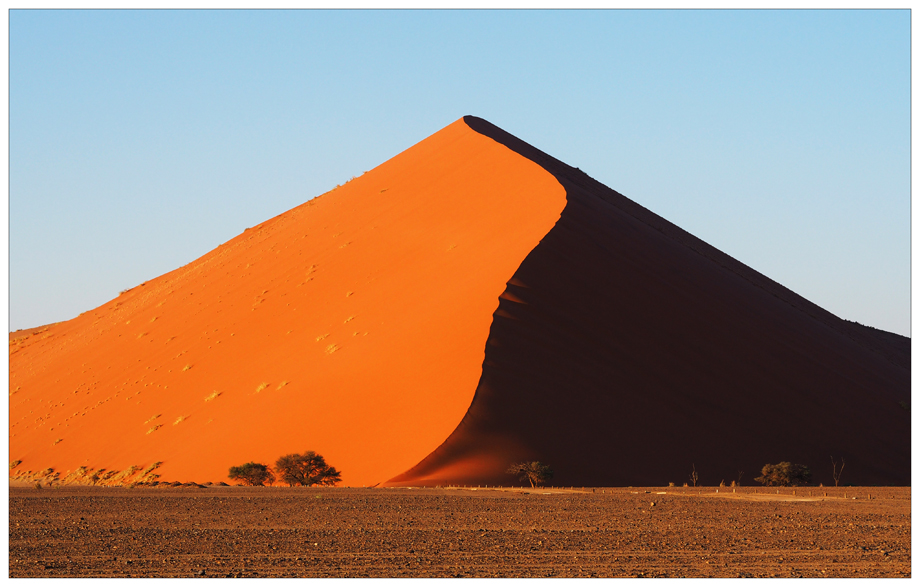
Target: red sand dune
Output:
{"points": [[469, 303]]}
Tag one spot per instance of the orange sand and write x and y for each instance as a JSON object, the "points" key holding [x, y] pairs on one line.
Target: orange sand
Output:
{"points": [[353, 325]]}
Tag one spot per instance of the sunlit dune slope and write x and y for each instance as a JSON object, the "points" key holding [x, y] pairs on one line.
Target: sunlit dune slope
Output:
{"points": [[353, 325], [626, 351]]}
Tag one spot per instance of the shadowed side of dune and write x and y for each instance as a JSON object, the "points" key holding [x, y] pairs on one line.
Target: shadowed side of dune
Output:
{"points": [[626, 351]]}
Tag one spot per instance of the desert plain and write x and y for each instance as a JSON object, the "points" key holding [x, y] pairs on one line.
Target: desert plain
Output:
{"points": [[216, 531]]}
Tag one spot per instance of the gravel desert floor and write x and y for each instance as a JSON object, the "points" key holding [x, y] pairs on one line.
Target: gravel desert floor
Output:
{"points": [[218, 531]]}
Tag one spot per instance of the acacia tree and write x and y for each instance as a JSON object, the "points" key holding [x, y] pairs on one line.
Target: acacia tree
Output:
{"points": [[255, 474], [535, 472], [784, 474], [307, 469]]}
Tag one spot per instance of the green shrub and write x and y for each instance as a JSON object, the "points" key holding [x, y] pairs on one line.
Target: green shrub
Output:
{"points": [[307, 469], [255, 474]]}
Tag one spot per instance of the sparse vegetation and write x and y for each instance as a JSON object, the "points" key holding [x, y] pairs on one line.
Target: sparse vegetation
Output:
{"points": [[534, 472], [147, 475], [254, 474], [213, 396], [307, 469], [784, 474], [49, 475], [123, 477], [261, 386], [694, 476]]}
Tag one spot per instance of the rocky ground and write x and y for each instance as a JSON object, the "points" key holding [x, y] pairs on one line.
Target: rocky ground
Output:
{"points": [[623, 532]]}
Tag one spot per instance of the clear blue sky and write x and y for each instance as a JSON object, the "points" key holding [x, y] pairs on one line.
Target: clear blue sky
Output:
{"points": [[140, 140]]}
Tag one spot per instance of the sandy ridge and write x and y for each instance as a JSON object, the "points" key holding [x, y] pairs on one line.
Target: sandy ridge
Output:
{"points": [[594, 188]]}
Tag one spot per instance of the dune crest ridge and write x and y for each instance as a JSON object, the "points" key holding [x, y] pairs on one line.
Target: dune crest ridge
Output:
{"points": [[353, 325], [626, 351]]}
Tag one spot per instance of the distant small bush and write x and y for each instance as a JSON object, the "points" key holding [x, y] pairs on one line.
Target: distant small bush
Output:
{"points": [[784, 474], [534, 472], [255, 474]]}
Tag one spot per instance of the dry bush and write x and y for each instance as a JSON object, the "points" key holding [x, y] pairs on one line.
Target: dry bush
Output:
{"points": [[784, 474], [147, 475], [534, 471]]}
